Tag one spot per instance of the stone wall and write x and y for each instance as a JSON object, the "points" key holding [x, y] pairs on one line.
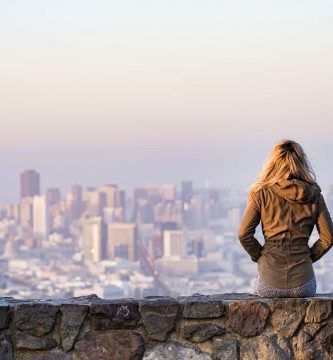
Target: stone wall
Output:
{"points": [[227, 326]]}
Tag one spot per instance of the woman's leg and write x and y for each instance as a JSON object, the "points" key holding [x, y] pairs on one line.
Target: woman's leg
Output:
{"points": [[262, 289], [307, 290]]}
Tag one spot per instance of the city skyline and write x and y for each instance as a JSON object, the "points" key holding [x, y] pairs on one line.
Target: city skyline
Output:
{"points": [[229, 165], [135, 242], [160, 92], [167, 239]]}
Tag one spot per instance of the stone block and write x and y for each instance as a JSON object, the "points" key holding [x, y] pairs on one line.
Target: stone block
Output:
{"points": [[202, 308], [159, 316], [247, 318], [200, 332], [5, 316], [175, 351], [35, 319], [225, 349], [72, 317], [6, 349], [274, 347], [318, 310], [110, 345], [27, 341], [115, 314], [287, 315]]}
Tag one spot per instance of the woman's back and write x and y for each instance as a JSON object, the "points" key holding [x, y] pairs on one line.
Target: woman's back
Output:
{"points": [[288, 211]]}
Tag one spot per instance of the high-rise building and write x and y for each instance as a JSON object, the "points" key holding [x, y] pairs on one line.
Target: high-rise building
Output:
{"points": [[26, 212], [53, 196], [187, 191], [169, 211], [30, 183], [150, 193], [168, 192], [174, 243], [75, 202], [121, 199], [40, 218], [110, 192], [114, 203], [197, 213], [94, 239], [95, 202], [13, 212], [186, 195], [140, 193], [122, 241], [143, 212]]}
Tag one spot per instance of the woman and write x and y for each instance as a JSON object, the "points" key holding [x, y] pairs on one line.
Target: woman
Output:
{"points": [[288, 201]]}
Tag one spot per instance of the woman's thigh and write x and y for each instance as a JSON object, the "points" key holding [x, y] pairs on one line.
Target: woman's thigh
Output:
{"points": [[262, 289]]}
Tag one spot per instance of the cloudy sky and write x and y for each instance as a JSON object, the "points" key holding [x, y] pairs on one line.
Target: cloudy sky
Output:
{"points": [[95, 90]]}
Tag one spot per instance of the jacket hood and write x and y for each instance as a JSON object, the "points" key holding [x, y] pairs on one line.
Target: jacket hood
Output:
{"points": [[295, 190]]}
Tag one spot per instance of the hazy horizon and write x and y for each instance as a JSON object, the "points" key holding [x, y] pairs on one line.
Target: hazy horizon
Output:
{"points": [[198, 90], [229, 165]]}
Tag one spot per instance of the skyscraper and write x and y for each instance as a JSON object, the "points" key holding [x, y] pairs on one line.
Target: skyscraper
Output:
{"points": [[186, 194], [75, 202], [95, 202], [174, 243], [121, 199], [168, 192], [122, 241], [110, 192], [53, 196], [26, 212], [94, 238], [187, 191], [40, 218], [30, 183]]}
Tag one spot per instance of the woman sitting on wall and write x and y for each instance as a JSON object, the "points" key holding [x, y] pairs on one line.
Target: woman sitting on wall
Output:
{"points": [[288, 201]]}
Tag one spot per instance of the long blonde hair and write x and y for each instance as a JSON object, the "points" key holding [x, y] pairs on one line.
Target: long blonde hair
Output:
{"points": [[287, 160]]}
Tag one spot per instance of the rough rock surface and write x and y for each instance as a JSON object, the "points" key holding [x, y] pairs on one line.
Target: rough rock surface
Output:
{"points": [[218, 327], [6, 350], [35, 319], [202, 308], [225, 349], [249, 349], [53, 355], [247, 318], [159, 316], [175, 351], [27, 341], [72, 317], [287, 315], [110, 345], [314, 341], [4, 316], [318, 310], [116, 314], [200, 332], [274, 347]]}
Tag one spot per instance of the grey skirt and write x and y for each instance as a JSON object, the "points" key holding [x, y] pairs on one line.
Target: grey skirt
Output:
{"points": [[264, 290]]}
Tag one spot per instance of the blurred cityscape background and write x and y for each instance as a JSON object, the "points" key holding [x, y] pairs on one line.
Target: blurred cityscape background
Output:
{"points": [[131, 130], [168, 239]]}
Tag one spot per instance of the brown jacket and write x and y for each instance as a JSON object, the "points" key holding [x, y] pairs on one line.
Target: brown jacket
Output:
{"points": [[288, 211]]}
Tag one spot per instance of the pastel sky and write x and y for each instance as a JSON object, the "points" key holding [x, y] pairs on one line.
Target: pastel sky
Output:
{"points": [[209, 85]]}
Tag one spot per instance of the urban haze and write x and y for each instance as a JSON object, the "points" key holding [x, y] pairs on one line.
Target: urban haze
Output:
{"points": [[131, 132]]}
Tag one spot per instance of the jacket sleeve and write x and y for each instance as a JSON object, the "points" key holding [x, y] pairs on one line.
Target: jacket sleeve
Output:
{"points": [[251, 219], [324, 226]]}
